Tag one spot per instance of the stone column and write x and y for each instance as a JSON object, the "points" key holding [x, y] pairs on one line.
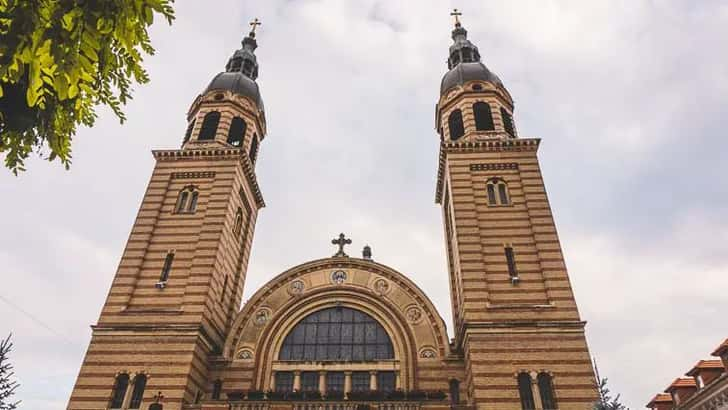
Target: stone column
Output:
{"points": [[373, 380], [297, 381], [322, 382], [347, 382], [397, 381], [272, 380]]}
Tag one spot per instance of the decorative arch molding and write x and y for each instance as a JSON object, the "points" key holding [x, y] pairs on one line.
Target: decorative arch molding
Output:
{"points": [[363, 290]]}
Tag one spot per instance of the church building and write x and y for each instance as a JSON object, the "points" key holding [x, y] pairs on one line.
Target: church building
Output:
{"points": [[341, 332]]}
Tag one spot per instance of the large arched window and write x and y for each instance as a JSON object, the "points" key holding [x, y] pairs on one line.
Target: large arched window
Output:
{"points": [[455, 124], [120, 386], [337, 334], [524, 390], [209, 126], [483, 116], [546, 389], [236, 132]]}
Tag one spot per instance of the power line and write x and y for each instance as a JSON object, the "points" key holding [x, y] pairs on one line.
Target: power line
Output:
{"points": [[37, 321]]}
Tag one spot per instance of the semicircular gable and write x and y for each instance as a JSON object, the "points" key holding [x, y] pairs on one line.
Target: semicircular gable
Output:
{"points": [[378, 289]]}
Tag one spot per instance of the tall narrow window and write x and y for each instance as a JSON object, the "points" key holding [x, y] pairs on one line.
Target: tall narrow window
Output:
{"points": [[190, 127], [187, 200], [167, 267], [511, 260], [546, 390], [253, 154], [120, 386], [192, 207], [236, 134], [483, 116], [507, 122], [224, 289], [309, 381], [454, 392], [524, 389], [238, 224], [360, 381], [455, 123], [140, 382], [284, 382], [209, 126], [497, 192], [386, 381], [216, 389]]}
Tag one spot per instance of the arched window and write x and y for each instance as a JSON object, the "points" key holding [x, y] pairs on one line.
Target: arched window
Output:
{"points": [[336, 334], [483, 116], [187, 200], [216, 389], [253, 148], [497, 192], [120, 386], [188, 133], [508, 122], [140, 382], [524, 390], [546, 389], [236, 134], [209, 126], [238, 224], [455, 123]]}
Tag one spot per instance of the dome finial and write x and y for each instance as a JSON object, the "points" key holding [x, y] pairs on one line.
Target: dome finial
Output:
{"points": [[455, 13]]}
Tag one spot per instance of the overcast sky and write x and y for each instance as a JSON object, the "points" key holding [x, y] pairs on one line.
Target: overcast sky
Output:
{"points": [[630, 99]]}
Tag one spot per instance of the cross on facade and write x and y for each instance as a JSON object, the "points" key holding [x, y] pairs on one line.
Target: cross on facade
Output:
{"points": [[455, 13], [255, 23], [341, 241]]}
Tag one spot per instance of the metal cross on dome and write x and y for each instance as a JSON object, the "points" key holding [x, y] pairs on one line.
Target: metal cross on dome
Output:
{"points": [[255, 23], [341, 241], [455, 13]]}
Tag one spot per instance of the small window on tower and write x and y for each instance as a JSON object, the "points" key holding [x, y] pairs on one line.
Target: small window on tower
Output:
{"points": [[209, 126], [511, 261], [121, 384], [483, 117], [166, 268], [236, 63], [253, 154], [140, 382], [546, 390], [188, 133], [236, 134], [216, 389], [238, 224], [187, 200], [524, 389], [497, 192], [507, 122], [455, 123]]}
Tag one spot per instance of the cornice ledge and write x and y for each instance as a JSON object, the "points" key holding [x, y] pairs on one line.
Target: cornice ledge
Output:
{"points": [[519, 144], [224, 153]]}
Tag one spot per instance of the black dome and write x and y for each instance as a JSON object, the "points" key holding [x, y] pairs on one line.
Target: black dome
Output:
{"points": [[238, 83], [464, 72]]}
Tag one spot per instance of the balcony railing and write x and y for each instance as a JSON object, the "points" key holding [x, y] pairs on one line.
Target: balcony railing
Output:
{"points": [[326, 405]]}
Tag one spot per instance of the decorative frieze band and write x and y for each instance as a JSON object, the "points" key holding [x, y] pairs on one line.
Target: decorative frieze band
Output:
{"points": [[193, 174], [493, 167]]}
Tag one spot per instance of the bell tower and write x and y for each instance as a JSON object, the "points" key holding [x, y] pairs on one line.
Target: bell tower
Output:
{"points": [[181, 276], [515, 318]]}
